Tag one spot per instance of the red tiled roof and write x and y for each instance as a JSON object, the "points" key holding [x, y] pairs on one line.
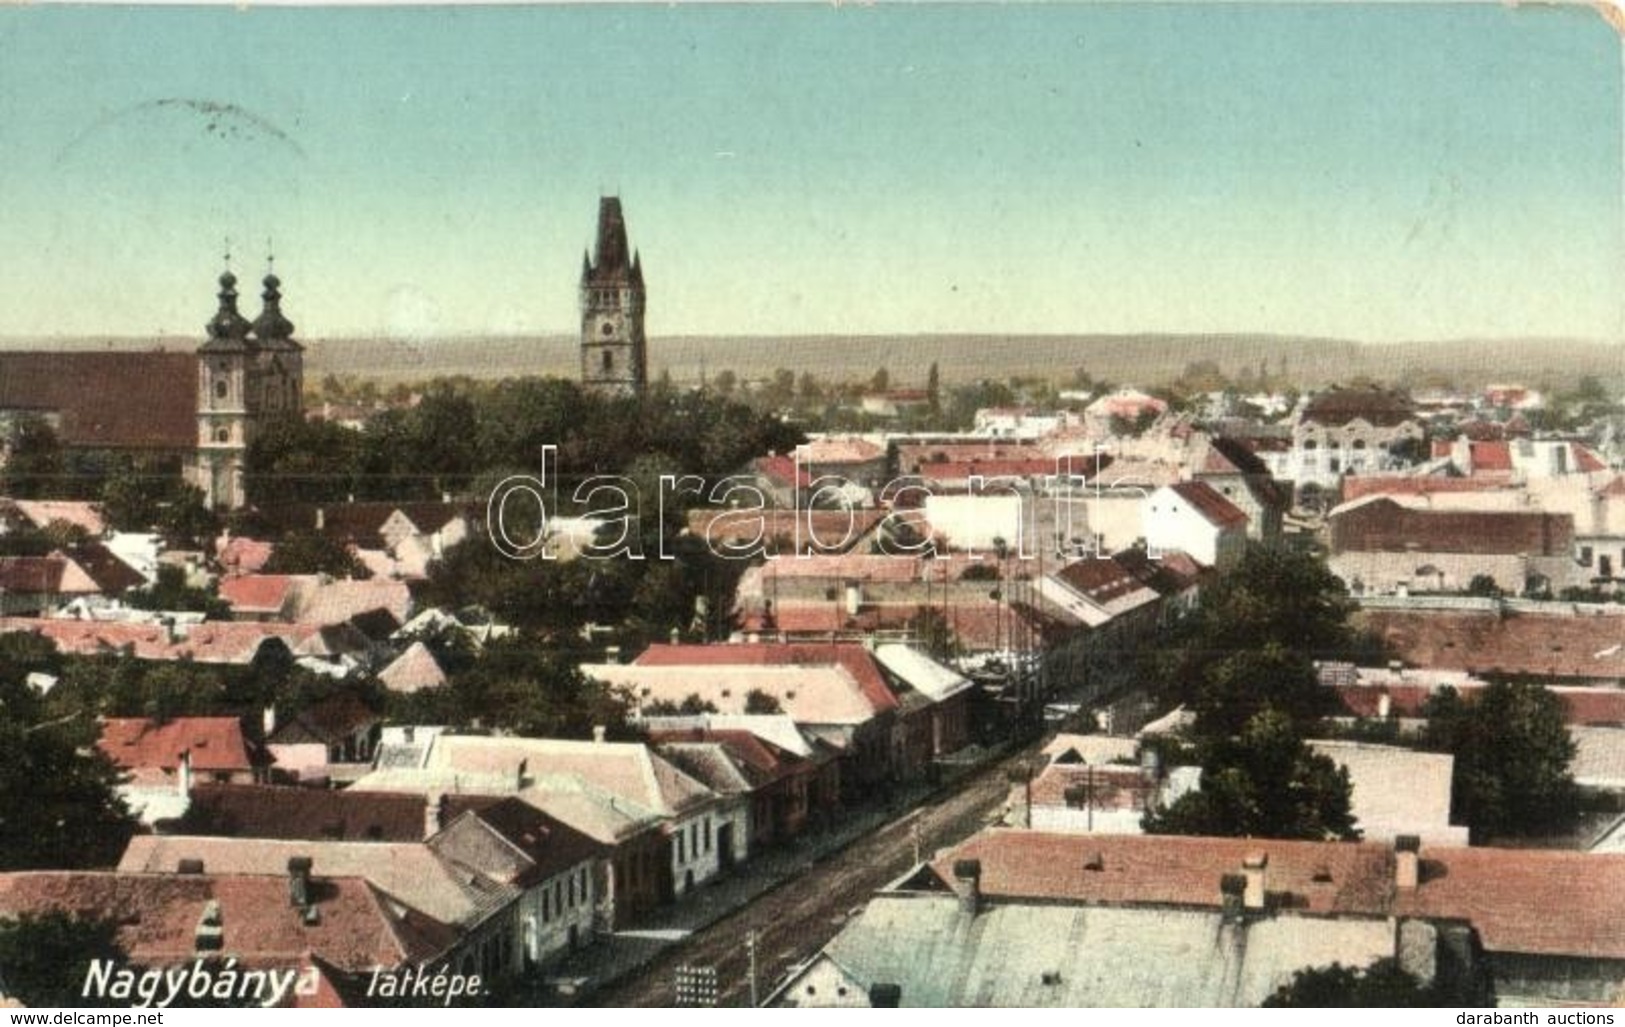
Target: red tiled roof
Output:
{"points": [[1586, 460], [1109, 787], [784, 470], [209, 642], [1596, 707], [1100, 580], [216, 743], [780, 528], [1491, 456], [264, 811], [158, 916], [856, 659], [1383, 525], [258, 593], [1207, 501], [1585, 648], [1539, 902], [107, 400], [1360, 486]]}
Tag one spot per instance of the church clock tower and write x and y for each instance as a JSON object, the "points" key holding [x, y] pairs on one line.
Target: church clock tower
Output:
{"points": [[614, 355], [249, 375]]}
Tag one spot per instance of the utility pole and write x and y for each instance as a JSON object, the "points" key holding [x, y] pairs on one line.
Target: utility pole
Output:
{"points": [[750, 950]]}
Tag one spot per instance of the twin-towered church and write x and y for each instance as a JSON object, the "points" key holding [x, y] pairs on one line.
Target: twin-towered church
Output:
{"points": [[203, 409]]}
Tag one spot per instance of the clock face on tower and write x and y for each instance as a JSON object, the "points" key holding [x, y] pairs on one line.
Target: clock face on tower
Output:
{"points": [[607, 329]]}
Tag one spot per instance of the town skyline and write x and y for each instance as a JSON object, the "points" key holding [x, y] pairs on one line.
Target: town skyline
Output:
{"points": [[1375, 173]]}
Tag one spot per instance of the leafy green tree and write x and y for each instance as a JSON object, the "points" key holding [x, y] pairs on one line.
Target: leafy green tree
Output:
{"points": [[302, 461], [1484, 585], [1251, 642], [44, 958], [311, 552], [1512, 752], [935, 635], [184, 522], [34, 465], [1381, 985], [58, 808], [1266, 783], [170, 592]]}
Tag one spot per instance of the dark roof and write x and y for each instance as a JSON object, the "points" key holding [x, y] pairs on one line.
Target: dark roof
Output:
{"points": [[328, 721], [1205, 499], [360, 523], [1102, 580], [1382, 525], [551, 844], [107, 400], [1242, 459], [112, 575], [612, 260], [294, 814], [32, 575], [1378, 407]]}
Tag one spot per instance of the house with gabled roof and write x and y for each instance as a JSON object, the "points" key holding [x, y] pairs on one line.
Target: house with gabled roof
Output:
{"points": [[1191, 517], [344, 924], [161, 760]]}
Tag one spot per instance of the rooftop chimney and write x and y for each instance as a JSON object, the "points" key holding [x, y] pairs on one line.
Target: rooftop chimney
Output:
{"points": [[434, 814], [189, 866], [321, 518], [1385, 705], [268, 720], [854, 598], [299, 880], [1232, 891], [210, 935], [1407, 862], [968, 882], [598, 733], [1252, 868], [885, 995], [183, 774]]}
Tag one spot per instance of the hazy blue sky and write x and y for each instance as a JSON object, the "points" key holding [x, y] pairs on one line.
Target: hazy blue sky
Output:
{"points": [[1382, 172]]}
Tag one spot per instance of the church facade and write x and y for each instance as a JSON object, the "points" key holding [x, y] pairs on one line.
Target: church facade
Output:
{"points": [[614, 352]]}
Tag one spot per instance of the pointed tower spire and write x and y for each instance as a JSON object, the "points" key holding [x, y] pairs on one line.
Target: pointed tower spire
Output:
{"points": [[227, 326], [271, 324]]}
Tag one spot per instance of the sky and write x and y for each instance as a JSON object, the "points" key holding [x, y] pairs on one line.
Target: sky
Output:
{"points": [[1379, 172]]}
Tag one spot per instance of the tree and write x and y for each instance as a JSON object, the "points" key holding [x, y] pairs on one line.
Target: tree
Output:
{"points": [[1266, 783], [311, 552], [170, 592], [1484, 585], [58, 808], [881, 381], [933, 388], [931, 629], [760, 702], [1512, 753], [1251, 642], [34, 464], [44, 958], [1382, 985]]}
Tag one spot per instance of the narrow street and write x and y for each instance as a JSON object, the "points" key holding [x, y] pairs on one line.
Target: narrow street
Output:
{"points": [[796, 919]]}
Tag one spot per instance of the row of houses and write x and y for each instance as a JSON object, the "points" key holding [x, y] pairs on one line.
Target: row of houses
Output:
{"points": [[1022, 918]]}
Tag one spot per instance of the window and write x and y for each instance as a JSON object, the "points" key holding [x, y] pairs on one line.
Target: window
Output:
{"points": [[681, 856], [609, 360], [221, 388], [222, 435], [1585, 556]]}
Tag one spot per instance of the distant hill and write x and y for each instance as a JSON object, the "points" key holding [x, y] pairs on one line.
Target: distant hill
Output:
{"points": [[1143, 359]]}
